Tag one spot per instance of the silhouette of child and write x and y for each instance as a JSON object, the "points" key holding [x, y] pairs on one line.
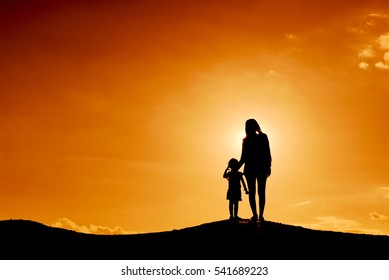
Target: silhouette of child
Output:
{"points": [[235, 182]]}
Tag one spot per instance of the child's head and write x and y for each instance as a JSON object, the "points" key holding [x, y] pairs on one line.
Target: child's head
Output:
{"points": [[233, 163]]}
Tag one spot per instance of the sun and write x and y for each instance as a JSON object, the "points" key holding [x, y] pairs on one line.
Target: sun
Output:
{"points": [[234, 138]]}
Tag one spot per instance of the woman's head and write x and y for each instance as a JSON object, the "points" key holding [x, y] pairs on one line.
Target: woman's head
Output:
{"points": [[252, 127]]}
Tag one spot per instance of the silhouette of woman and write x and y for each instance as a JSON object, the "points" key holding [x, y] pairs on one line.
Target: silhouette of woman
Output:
{"points": [[256, 158]]}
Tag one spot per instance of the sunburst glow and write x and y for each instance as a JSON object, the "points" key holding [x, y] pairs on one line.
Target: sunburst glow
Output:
{"points": [[125, 113]]}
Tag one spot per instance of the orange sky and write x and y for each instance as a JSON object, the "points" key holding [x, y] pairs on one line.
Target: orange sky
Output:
{"points": [[121, 117]]}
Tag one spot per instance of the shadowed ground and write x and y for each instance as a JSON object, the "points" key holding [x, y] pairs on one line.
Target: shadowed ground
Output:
{"points": [[219, 240]]}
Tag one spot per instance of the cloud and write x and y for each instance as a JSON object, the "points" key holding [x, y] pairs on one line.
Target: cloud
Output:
{"points": [[386, 57], [363, 65], [385, 192], [337, 224], [92, 229], [383, 44], [379, 193], [375, 21], [367, 52], [374, 41], [291, 36], [376, 53], [334, 224], [370, 23], [378, 15], [381, 65], [376, 216], [303, 203], [383, 41]]}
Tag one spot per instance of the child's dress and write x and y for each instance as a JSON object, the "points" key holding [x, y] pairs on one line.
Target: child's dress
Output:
{"points": [[234, 185]]}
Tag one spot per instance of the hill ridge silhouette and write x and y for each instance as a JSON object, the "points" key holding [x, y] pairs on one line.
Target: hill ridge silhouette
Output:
{"points": [[26, 239]]}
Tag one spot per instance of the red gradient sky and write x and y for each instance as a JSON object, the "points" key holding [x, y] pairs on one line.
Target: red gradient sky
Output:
{"points": [[120, 116]]}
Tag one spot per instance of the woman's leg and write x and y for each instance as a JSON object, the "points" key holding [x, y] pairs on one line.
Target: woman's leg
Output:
{"points": [[252, 193], [262, 195]]}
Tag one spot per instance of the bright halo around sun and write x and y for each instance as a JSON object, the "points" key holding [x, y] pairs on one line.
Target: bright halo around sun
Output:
{"points": [[238, 140], [237, 134]]}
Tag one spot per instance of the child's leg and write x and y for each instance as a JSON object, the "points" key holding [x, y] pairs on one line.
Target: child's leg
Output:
{"points": [[231, 208], [236, 208]]}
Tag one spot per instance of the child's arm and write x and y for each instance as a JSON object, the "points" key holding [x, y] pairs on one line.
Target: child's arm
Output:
{"points": [[225, 172]]}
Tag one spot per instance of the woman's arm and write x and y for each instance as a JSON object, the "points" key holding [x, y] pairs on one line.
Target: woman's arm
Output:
{"points": [[244, 184], [242, 156]]}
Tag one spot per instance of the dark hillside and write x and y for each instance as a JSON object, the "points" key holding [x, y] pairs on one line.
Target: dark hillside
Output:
{"points": [[23, 239]]}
